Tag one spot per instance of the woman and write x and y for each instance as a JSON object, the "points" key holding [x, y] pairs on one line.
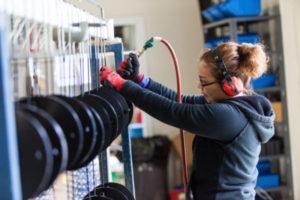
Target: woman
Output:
{"points": [[230, 122]]}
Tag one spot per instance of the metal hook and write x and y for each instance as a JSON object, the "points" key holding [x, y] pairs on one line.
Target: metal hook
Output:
{"points": [[18, 27], [27, 35]]}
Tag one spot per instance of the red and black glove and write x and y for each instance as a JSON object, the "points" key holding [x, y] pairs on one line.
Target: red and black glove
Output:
{"points": [[112, 77], [129, 69]]}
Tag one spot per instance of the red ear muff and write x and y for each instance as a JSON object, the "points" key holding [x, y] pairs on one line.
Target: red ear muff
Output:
{"points": [[232, 86]]}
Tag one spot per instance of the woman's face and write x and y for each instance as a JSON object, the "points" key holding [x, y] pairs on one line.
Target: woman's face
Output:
{"points": [[209, 85]]}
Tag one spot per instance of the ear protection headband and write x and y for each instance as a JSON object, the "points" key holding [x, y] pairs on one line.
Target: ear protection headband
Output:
{"points": [[231, 85]]}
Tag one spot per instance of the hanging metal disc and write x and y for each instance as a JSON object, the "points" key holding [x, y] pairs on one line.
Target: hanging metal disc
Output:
{"points": [[67, 118], [56, 135], [100, 112], [112, 111], [103, 192], [100, 140], [106, 112], [117, 101], [89, 128], [121, 188], [110, 192], [35, 150], [96, 198]]}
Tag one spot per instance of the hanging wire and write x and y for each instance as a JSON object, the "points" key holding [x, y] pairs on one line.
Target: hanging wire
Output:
{"points": [[89, 54], [70, 49], [75, 62], [88, 48], [73, 51], [80, 181], [98, 51], [46, 51], [14, 55], [94, 67], [47, 42], [28, 30], [102, 46], [35, 58], [40, 49], [60, 47]]}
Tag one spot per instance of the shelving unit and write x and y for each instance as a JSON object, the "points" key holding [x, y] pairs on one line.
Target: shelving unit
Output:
{"points": [[233, 26], [271, 157], [268, 89], [233, 23]]}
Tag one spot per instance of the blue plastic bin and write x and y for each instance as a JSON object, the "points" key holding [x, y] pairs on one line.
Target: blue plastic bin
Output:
{"points": [[267, 80], [242, 38], [208, 45], [216, 12], [233, 8], [241, 8], [208, 15], [248, 38], [264, 167], [268, 181], [213, 42]]}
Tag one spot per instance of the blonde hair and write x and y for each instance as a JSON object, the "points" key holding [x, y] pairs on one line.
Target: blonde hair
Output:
{"points": [[244, 60]]}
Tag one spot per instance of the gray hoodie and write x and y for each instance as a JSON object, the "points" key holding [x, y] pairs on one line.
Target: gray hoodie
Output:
{"points": [[228, 136], [229, 171]]}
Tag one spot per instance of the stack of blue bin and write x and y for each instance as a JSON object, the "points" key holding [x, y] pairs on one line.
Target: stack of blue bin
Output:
{"points": [[241, 38], [233, 8], [266, 179], [238, 8], [267, 80]]}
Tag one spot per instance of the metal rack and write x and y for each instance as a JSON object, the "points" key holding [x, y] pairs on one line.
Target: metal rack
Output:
{"points": [[233, 24], [10, 184], [118, 51]]}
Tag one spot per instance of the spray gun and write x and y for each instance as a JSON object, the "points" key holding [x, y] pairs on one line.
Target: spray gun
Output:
{"points": [[148, 44]]}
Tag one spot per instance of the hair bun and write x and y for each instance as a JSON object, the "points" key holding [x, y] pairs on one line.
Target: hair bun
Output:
{"points": [[253, 60]]}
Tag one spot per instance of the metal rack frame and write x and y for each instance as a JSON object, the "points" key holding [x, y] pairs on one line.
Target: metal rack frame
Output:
{"points": [[234, 22], [10, 184], [118, 51]]}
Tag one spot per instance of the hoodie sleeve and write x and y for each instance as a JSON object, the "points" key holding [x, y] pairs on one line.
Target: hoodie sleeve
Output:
{"points": [[172, 95], [215, 121]]}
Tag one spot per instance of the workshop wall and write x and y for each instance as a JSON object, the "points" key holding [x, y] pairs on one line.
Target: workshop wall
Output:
{"points": [[291, 39]]}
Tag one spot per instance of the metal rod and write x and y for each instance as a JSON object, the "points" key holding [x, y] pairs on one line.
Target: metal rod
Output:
{"points": [[128, 164], [91, 24], [103, 165], [103, 157], [10, 182], [233, 28]]}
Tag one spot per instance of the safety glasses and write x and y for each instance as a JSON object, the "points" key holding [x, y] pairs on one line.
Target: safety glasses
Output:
{"points": [[204, 84]]}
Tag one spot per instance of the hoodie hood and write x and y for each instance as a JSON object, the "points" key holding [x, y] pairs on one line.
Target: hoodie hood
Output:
{"points": [[258, 110]]}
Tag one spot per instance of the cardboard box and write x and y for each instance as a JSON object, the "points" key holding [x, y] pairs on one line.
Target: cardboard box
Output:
{"points": [[277, 107]]}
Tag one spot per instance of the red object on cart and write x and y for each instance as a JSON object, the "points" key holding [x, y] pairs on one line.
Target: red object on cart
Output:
{"points": [[176, 193], [139, 117]]}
